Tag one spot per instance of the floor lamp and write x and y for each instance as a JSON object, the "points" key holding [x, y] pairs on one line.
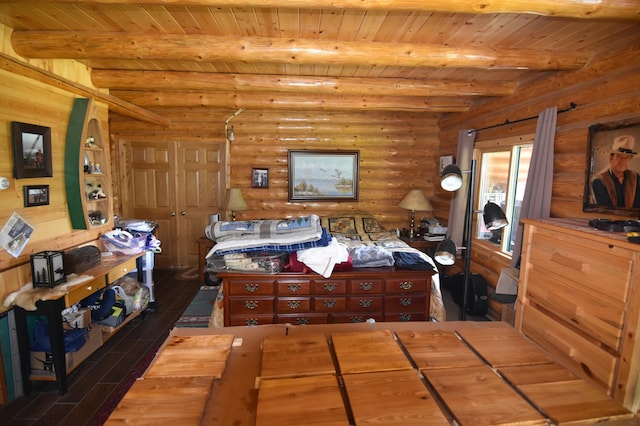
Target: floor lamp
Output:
{"points": [[494, 218]]}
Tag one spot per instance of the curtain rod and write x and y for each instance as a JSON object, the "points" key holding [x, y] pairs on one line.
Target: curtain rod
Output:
{"points": [[571, 106]]}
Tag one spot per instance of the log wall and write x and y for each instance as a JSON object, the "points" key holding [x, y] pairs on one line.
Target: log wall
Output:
{"points": [[607, 90], [29, 101]]}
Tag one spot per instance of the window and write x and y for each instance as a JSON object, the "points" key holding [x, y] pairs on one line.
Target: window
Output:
{"points": [[503, 176]]}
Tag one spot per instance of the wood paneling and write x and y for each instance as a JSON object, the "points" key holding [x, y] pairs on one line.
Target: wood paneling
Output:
{"points": [[606, 90]]}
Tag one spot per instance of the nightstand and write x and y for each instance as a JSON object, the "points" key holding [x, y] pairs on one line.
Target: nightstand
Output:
{"points": [[204, 245], [421, 244]]}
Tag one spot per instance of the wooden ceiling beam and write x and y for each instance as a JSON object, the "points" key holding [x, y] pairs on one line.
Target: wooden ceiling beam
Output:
{"points": [[15, 66], [275, 100], [602, 9], [205, 48], [202, 81]]}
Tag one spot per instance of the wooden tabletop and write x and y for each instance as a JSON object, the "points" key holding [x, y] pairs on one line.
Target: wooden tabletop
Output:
{"points": [[432, 365]]}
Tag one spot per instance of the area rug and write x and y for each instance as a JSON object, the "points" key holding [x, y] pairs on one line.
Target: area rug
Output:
{"points": [[199, 311], [188, 274]]}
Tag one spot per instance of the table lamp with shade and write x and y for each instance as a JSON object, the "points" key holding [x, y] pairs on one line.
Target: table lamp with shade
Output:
{"points": [[235, 202], [494, 219], [415, 201]]}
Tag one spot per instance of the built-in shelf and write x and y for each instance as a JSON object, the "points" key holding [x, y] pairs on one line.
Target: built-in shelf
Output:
{"points": [[87, 174]]}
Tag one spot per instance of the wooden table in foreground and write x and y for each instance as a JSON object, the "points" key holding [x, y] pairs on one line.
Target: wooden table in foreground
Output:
{"points": [[409, 373]]}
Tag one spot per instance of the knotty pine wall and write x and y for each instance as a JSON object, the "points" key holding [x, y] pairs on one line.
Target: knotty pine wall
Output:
{"points": [[29, 101], [396, 155], [607, 90]]}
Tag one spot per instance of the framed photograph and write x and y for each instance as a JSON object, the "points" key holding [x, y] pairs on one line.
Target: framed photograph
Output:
{"points": [[323, 175], [36, 195], [445, 160], [613, 155], [31, 150], [260, 178]]}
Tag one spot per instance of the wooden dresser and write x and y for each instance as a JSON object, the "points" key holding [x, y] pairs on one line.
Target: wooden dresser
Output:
{"points": [[579, 298], [384, 294]]}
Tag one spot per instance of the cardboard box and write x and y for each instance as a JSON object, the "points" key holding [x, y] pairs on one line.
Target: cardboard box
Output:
{"points": [[43, 361], [80, 319]]}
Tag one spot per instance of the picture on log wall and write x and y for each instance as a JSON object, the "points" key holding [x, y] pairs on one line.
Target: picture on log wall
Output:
{"points": [[612, 183], [31, 150], [323, 175]]}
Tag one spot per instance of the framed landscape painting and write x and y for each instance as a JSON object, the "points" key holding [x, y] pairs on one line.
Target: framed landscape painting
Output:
{"points": [[323, 175]]}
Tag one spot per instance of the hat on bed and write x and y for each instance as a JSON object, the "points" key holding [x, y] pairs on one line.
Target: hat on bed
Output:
{"points": [[623, 144]]}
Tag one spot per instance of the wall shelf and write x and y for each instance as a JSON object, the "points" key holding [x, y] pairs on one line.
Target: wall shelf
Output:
{"points": [[87, 176]]}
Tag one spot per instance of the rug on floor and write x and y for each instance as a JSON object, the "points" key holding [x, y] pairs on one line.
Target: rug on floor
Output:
{"points": [[199, 311]]}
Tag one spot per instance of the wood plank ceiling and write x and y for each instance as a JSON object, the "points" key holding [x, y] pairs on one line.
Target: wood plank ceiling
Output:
{"points": [[399, 55]]}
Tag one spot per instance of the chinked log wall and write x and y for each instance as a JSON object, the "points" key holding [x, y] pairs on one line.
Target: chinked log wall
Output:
{"points": [[605, 91], [396, 154]]}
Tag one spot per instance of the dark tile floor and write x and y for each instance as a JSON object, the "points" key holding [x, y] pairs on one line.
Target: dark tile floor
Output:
{"points": [[95, 381]]}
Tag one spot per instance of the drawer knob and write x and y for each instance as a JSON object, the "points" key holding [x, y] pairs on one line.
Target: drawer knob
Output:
{"points": [[302, 321], [293, 304], [251, 321], [366, 286], [251, 287], [406, 301], [330, 286], [405, 317], [251, 304], [329, 303], [356, 319], [366, 303], [294, 287], [406, 285], [89, 287]]}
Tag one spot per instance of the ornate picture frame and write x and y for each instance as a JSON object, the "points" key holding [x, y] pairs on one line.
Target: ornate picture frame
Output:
{"points": [[31, 150], [323, 175]]}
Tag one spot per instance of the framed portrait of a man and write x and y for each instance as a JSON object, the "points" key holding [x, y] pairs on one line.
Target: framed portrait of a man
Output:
{"points": [[612, 183]]}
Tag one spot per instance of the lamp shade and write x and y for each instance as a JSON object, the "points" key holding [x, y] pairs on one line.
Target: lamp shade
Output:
{"points": [[235, 200], [445, 253], [451, 178], [416, 201], [494, 217]]}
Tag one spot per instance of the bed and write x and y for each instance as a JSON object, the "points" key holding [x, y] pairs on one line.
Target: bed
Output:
{"points": [[345, 246]]}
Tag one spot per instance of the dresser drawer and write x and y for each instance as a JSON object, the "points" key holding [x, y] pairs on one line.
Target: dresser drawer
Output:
{"points": [[251, 320], [364, 304], [571, 348], [293, 304], [293, 288], [330, 304], [329, 286], [301, 319], [252, 305], [365, 286], [249, 287], [405, 316], [406, 285], [84, 290], [405, 303], [355, 317], [121, 270]]}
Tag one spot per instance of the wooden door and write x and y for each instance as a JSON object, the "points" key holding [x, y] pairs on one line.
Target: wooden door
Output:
{"points": [[176, 185], [199, 192]]}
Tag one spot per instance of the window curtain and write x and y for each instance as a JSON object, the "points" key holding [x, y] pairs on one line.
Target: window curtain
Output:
{"points": [[466, 139], [536, 203]]}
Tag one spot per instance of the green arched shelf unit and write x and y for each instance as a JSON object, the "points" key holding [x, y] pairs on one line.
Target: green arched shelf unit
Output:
{"points": [[87, 176]]}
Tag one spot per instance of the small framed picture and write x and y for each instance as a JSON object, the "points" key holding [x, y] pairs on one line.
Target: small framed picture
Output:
{"points": [[36, 195], [445, 160], [260, 178], [31, 150]]}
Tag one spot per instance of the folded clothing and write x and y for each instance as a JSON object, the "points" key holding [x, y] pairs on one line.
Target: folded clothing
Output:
{"points": [[323, 259], [266, 228], [250, 245]]}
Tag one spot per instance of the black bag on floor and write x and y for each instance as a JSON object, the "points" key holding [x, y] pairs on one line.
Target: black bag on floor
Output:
{"points": [[477, 298]]}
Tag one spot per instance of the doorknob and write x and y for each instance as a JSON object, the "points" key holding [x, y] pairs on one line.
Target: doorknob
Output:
{"points": [[182, 213], [172, 214]]}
